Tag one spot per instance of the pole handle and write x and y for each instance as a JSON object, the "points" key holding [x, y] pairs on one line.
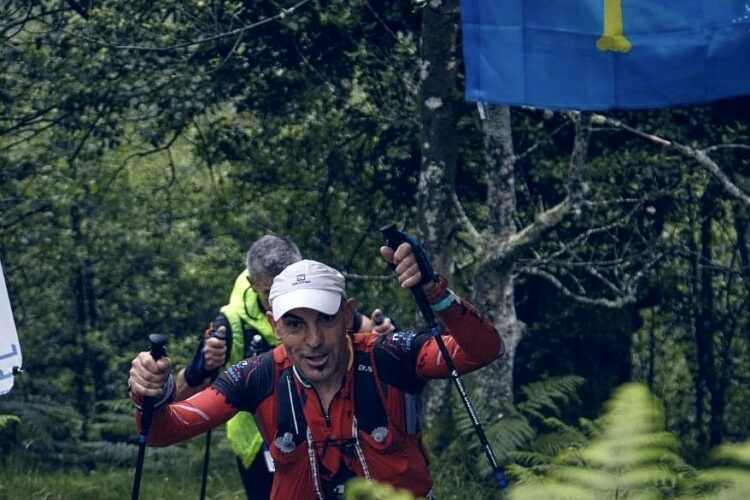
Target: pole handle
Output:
{"points": [[218, 322], [158, 350], [393, 238], [158, 345]]}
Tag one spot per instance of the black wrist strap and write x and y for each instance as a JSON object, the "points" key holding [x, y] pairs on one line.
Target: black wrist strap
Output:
{"points": [[356, 322], [195, 374]]}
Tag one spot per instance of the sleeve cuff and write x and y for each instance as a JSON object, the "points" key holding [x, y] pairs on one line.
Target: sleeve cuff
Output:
{"points": [[438, 293], [448, 300], [442, 297]]}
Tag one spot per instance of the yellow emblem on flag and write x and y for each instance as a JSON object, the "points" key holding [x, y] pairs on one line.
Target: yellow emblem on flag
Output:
{"points": [[613, 39]]}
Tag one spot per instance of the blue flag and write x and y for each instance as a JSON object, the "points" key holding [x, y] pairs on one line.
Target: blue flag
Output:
{"points": [[605, 54]]}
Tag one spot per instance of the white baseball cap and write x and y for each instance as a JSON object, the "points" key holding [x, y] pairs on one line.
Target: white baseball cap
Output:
{"points": [[308, 284]]}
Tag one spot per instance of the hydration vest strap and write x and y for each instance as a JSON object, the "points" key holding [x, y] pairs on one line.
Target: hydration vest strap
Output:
{"points": [[369, 409], [290, 419], [413, 412], [368, 404]]}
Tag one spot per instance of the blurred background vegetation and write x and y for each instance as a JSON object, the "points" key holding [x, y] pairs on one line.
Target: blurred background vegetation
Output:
{"points": [[145, 145]]}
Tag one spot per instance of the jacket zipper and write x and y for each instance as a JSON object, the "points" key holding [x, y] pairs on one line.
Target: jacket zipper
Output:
{"points": [[326, 415]]}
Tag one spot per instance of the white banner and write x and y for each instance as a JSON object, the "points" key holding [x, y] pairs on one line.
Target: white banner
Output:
{"points": [[10, 349]]}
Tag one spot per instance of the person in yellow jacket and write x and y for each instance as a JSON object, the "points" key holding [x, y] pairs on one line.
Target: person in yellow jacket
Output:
{"points": [[241, 331]]}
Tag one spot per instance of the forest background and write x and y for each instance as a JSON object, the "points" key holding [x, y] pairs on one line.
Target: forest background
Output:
{"points": [[145, 145]]}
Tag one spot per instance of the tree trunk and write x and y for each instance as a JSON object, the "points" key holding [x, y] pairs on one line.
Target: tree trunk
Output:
{"points": [[81, 278], [742, 229], [494, 282], [494, 291], [651, 349], [438, 95], [705, 329]]}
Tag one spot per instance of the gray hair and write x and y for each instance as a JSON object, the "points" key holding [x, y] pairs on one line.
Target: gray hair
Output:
{"points": [[270, 254]]}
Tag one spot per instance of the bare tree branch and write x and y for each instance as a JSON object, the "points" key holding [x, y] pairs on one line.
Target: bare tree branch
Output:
{"points": [[595, 301], [538, 144], [576, 187], [476, 238], [25, 121], [496, 248], [726, 146], [21, 217], [143, 48], [698, 155], [139, 154], [367, 277], [510, 245], [706, 162]]}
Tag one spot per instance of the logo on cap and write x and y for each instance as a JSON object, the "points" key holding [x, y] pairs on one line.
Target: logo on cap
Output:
{"points": [[301, 280]]}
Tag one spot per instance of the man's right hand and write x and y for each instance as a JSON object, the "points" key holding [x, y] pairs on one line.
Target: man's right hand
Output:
{"points": [[147, 375], [215, 350]]}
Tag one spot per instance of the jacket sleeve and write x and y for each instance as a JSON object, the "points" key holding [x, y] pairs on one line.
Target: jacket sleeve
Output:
{"points": [[241, 387], [406, 359], [470, 338], [182, 420]]}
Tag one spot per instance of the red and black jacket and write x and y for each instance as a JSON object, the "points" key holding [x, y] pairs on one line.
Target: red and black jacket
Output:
{"points": [[371, 428]]}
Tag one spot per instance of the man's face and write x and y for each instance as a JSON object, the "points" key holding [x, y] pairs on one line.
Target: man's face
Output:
{"points": [[262, 286], [315, 342]]}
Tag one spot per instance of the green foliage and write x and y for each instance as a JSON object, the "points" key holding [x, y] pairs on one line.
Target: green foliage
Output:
{"points": [[732, 478], [45, 425], [142, 178], [113, 421], [144, 145], [360, 489], [167, 473], [8, 434], [631, 456], [549, 397], [8, 421], [528, 433]]}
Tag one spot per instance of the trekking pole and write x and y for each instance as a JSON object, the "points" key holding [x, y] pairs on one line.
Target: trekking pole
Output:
{"points": [[206, 458], [393, 238], [158, 342], [207, 454]]}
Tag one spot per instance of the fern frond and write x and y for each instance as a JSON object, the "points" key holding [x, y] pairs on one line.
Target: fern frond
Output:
{"points": [[44, 421], [530, 458], [513, 432], [524, 475], [549, 396], [632, 456], [510, 434], [622, 457], [360, 489], [589, 428], [121, 405], [553, 443], [733, 480], [551, 491], [8, 420], [596, 480], [739, 453]]}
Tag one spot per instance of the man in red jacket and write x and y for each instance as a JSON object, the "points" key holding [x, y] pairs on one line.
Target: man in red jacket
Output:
{"points": [[332, 405]]}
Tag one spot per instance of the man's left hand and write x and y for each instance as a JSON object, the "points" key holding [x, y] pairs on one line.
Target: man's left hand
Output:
{"points": [[382, 324]]}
